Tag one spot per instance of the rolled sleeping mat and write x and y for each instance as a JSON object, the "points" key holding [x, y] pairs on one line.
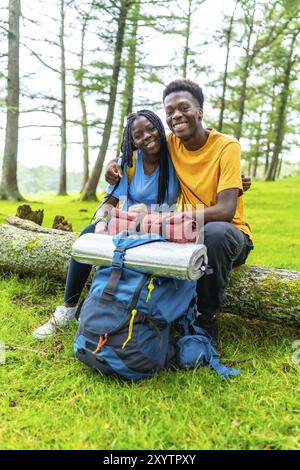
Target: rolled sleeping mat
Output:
{"points": [[181, 261]]}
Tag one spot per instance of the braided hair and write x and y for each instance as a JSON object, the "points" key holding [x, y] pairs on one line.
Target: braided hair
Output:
{"points": [[128, 147]]}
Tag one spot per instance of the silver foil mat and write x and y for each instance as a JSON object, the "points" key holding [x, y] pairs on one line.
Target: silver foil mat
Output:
{"points": [[178, 260]]}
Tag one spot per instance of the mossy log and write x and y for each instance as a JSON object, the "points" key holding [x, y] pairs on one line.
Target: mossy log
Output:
{"points": [[27, 248], [265, 293], [253, 291]]}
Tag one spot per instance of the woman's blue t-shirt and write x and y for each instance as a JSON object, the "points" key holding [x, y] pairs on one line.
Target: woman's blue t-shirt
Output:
{"points": [[143, 188]]}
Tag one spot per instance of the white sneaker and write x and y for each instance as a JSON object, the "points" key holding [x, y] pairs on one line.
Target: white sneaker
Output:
{"points": [[59, 319]]}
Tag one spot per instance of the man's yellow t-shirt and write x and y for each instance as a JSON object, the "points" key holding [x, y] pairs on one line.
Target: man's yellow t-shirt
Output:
{"points": [[203, 173]]}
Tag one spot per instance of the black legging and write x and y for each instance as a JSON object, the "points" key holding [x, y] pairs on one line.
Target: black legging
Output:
{"points": [[77, 276]]}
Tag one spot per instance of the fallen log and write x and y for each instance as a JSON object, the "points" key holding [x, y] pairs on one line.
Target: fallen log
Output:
{"points": [[27, 248], [266, 293], [253, 291]]}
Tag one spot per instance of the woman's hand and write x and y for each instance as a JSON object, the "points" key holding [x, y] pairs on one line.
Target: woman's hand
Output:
{"points": [[141, 208], [101, 227]]}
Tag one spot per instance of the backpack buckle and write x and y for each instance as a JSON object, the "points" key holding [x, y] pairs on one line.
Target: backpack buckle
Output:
{"points": [[206, 269], [118, 258]]}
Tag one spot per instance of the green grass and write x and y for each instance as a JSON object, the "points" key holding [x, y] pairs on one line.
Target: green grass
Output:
{"points": [[272, 209], [48, 400]]}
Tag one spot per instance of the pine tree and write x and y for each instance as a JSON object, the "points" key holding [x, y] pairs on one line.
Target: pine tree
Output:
{"points": [[130, 68], [280, 123], [9, 185], [122, 7]]}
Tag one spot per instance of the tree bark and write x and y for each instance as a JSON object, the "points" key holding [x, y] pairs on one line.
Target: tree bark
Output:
{"points": [[35, 252], [253, 291], [225, 76], [257, 151], [270, 130], [279, 168], [84, 119], [63, 125], [9, 185], [280, 127], [127, 95], [265, 293], [89, 193], [245, 72], [186, 51]]}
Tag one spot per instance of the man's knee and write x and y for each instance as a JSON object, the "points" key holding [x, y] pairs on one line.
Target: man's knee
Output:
{"points": [[222, 237], [215, 233]]}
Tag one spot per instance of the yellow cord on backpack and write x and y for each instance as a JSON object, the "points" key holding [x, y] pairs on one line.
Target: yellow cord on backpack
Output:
{"points": [[150, 288], [133, 314]]}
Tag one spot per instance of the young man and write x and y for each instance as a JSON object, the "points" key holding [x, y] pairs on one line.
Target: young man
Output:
{"points": [[207, 164]]}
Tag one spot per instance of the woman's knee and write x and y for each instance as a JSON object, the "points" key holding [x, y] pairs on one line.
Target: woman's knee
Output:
{"points": [[89, 229]]}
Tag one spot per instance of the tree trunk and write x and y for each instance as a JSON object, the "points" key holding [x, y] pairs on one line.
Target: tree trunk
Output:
{"points": [[89, 192], [127, 95], [85, 141], [271, 125], [254, 174], [187, 40], [244, 78], [264, 293], [225, 76], [267, 158], [253, 291], [63, 126], [257, 145], [9, 185], [249, 165], [280, 126], [84, 120], [34, 252], [279, 168]]}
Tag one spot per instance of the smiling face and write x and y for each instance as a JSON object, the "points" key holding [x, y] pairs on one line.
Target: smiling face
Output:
{"points": [[145, 136], [183, 114]]}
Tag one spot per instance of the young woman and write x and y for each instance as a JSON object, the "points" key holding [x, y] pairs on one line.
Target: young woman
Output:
{"points": [[153, 184]]}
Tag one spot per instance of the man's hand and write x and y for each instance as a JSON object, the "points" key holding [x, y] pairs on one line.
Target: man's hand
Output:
{"points": [[113, 172], [246, 182]]}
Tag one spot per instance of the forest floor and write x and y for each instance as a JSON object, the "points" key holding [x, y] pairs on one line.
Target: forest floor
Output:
{"points": [[48, 400]]}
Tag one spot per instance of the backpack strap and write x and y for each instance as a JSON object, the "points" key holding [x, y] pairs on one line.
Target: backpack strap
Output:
{"points": [[112, 283], [130, 171], [180, 205], [123, 242]]}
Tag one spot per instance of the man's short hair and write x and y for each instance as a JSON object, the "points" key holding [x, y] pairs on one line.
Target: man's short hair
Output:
{"points": [[185, 84]]}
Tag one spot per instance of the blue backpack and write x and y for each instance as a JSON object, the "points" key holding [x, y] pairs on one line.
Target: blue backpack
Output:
{"points": [[125, 321]]}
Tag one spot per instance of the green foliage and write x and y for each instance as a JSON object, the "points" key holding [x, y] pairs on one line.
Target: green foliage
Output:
{"points": [[261, 83], [48, 400]]}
